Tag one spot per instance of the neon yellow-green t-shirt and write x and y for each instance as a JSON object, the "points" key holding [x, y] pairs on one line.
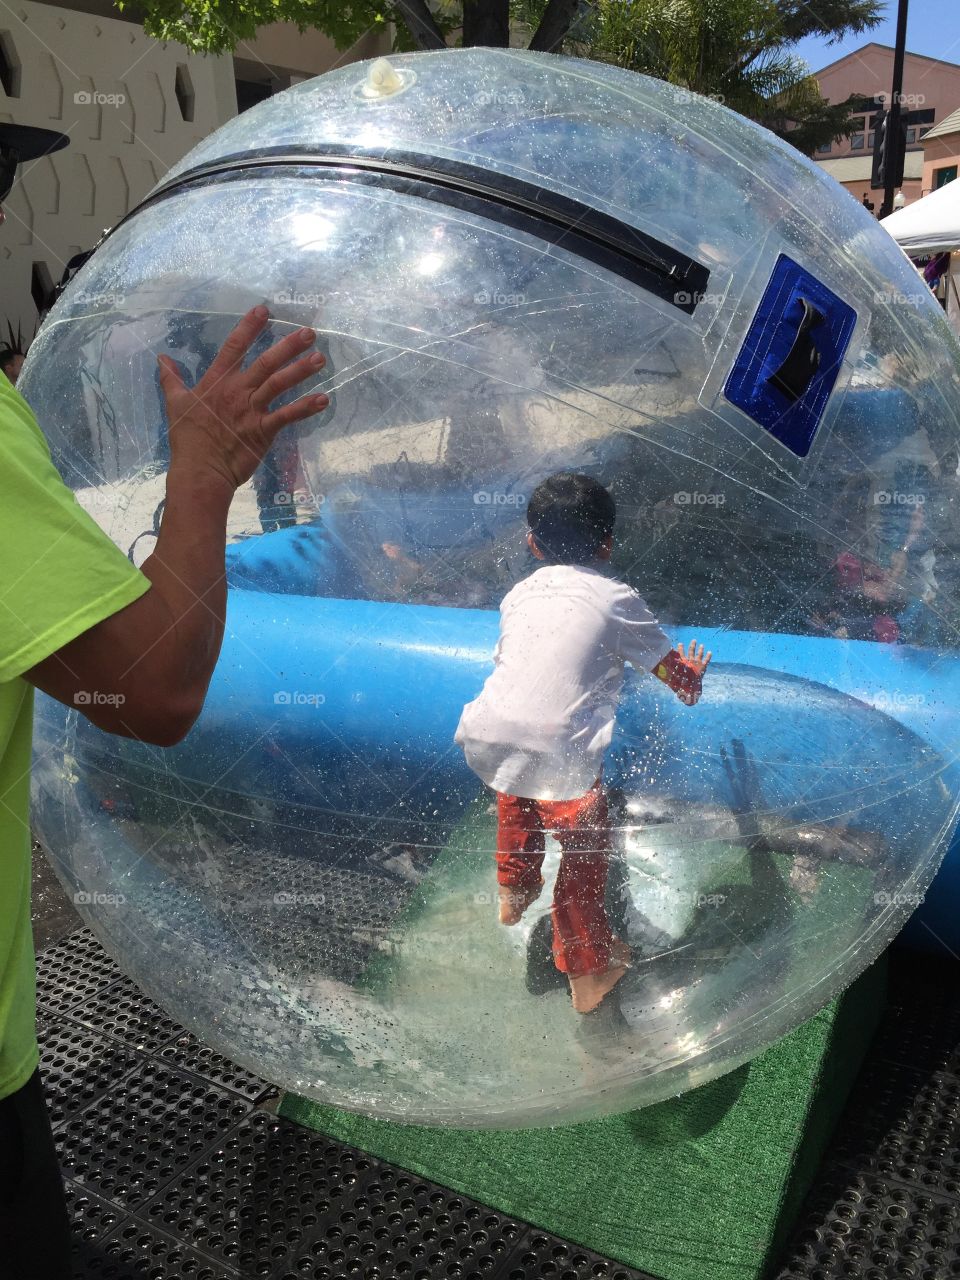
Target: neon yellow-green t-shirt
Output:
{"points": [[59, 576]]}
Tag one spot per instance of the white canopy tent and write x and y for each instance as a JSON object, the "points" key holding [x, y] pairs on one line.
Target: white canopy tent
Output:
{"points": [[932, 225]]}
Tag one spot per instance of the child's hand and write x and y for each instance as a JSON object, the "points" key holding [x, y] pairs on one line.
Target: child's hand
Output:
{"points": [[694, 657], [683, 672], [696, 664]]}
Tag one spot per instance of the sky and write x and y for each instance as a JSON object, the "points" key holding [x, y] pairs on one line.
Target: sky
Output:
{"points": [[933, 28]]}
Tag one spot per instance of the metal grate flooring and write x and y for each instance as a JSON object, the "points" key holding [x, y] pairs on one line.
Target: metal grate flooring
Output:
{"points": [[886, 1205], [175, 1165]]}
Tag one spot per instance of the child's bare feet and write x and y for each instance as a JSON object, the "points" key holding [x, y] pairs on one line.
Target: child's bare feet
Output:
{"points": [[589, 989], [514, 902]]}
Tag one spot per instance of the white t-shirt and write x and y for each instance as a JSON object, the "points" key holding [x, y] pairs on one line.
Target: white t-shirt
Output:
{"points": [[544, 717]]}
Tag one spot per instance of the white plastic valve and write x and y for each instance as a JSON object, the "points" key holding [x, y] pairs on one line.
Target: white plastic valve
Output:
{"points": [[382, 80]]}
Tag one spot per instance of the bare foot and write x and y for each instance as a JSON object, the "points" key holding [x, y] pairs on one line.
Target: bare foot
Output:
{"points": [[589, 989], [408, 570], [804, 878], [514, 902]]}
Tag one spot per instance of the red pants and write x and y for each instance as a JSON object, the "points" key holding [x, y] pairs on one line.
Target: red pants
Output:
{"points": [[581, 932]]}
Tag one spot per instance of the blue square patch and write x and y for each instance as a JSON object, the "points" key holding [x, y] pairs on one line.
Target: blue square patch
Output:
{"points": [[791, 356]]}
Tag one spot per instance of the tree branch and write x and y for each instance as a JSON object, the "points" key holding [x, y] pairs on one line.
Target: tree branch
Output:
{"points": [[421, 24], [554, 25]]}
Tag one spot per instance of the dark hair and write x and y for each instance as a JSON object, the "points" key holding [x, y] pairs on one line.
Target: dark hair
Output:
{"points": [[571, 516], [7, 357]]}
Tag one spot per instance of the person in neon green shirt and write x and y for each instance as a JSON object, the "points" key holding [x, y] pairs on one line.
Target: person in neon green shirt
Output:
{"points": [[77, 618]]}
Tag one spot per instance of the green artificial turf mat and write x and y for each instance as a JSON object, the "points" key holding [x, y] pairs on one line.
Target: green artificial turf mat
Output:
{"points": [[700, 1187]]}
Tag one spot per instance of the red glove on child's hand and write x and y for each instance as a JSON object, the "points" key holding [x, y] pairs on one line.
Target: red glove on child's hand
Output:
{"points": [[683, 672]]}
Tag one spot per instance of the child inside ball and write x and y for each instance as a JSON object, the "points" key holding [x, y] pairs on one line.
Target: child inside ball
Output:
{"points": [[537, 732]]}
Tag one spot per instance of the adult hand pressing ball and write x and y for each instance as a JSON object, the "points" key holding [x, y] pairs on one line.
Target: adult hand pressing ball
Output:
{"points": [[150, 663]]}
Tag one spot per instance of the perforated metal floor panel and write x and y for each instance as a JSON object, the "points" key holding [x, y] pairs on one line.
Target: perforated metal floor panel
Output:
{"points": [[887, 1201], [176, 1166]]}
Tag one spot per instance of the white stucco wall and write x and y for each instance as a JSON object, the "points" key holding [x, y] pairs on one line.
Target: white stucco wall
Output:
{"points": [[111, 88]]}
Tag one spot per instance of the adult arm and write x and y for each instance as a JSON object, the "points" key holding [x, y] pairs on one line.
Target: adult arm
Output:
{"points": [[143, 672]]}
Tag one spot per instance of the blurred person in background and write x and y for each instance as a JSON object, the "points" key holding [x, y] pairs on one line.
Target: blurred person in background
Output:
{"points": [[11, 362]]}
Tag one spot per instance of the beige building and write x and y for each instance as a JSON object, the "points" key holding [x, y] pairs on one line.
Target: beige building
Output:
{"points": [[131, 107], [941, 153], [930, 87]]}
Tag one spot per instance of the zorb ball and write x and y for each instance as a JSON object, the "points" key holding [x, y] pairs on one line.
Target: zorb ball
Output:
{"points": [[517, 264]]}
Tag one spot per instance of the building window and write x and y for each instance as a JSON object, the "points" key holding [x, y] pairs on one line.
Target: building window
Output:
{"points": [[250, 92], [9, 66], [183, 88], [911, 136], [871, 139], [856, 142], [942, 176], [824, 148], [256, 81]]}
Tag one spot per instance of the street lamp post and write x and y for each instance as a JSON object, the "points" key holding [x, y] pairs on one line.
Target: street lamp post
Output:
{"points": [[894, 111]]}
